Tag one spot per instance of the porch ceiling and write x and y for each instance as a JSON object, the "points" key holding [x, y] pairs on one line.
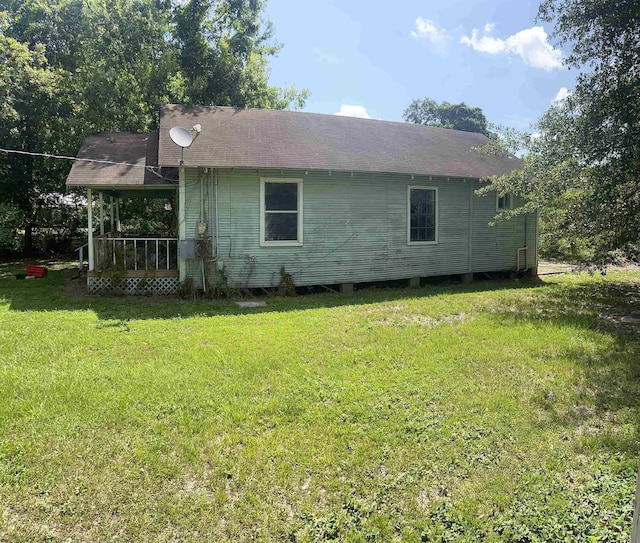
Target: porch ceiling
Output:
{"points": [[127, 192]]}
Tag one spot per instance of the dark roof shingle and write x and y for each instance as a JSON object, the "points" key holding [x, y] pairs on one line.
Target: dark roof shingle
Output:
{"points": [[132, 151], [261, 138]]}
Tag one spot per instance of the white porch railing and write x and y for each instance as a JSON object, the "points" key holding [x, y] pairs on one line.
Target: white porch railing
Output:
{"points": [[81, 255], [138, 254]]}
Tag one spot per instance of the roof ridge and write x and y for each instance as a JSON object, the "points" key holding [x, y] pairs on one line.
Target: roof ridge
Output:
{"points": [[121, 133], [327, 115]]}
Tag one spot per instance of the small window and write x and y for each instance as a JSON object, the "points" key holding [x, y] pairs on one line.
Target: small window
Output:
{"points": [[281, 212], [422, 215], [503, 202]]}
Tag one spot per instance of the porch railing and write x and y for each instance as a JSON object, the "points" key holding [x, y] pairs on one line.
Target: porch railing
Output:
{"points": [[80, 251], [139, 254]]}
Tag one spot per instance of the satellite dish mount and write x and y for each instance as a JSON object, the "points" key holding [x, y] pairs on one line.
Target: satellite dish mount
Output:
{"points": [[183, 138]]}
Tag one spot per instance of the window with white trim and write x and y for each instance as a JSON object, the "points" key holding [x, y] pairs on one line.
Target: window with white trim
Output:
{"points": [[503, 203], [422, 215], [280, 212]]}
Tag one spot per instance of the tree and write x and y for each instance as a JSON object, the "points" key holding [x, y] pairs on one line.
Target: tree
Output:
{"points": [[584, 168], [446, 115], [223, 49], [33, 97], [70, 67]]}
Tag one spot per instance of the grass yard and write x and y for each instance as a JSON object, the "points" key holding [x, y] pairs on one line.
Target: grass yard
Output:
{"points": [[495, 412]]}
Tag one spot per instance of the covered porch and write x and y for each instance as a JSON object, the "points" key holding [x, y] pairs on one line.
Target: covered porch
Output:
{"points": [[121, 259], [136, 253]]}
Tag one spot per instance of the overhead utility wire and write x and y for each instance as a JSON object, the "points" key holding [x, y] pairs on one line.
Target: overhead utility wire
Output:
{"points": [[95, 160]]}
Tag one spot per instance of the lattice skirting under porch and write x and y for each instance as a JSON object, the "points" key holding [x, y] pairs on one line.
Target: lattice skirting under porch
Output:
{"points": [[131, 286]]}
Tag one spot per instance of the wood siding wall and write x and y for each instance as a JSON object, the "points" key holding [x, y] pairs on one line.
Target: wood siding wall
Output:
{"points": [[355, 229]]}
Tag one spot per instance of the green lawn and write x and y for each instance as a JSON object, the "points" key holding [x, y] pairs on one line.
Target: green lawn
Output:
{"points": [[495, 412]]}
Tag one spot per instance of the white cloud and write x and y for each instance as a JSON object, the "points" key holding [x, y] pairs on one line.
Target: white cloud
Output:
{"points": [[533, 47], [347, 110], [427, 29], [485, 44], [530, 44], [562, 95]]}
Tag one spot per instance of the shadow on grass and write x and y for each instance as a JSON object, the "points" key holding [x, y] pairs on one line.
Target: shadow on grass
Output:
{"points": [[606, 394], [611, 374], [60, 292]]}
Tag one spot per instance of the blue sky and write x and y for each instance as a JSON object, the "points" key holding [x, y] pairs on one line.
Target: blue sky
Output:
{"points": [[373, 58]]}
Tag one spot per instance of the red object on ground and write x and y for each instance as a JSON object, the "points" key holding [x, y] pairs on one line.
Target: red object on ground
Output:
{"points": [[36, 271]]}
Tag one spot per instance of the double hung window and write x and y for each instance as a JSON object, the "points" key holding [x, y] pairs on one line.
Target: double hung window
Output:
{"points": [[422, 212], [281, 212], [503, 203]]}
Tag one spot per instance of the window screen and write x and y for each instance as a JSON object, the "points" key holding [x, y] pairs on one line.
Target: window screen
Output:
{"points": [[281, 211], [422, 219]]}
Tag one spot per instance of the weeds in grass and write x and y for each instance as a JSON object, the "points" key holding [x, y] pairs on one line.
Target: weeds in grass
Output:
{"points": [[491, 412], [187, 289]]}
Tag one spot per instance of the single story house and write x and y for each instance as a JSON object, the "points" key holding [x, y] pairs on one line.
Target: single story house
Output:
{"points": [[263, 195]]}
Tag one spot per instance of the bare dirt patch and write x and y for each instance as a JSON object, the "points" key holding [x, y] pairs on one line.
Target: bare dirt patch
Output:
{"points": [[421, 320]]}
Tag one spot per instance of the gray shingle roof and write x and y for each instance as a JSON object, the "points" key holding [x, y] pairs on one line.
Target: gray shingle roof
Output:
{"points": [[261, 138], [138, 149]]}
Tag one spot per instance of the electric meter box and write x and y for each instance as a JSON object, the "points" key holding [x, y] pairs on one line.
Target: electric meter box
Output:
{"points": [[187, 248], [201, 228]]}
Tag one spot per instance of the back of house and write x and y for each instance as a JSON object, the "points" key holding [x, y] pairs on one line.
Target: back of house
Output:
{"points": [[262, 195]]}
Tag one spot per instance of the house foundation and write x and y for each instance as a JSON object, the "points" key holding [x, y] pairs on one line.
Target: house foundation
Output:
{"points": [[346, 288], [132, 284]]}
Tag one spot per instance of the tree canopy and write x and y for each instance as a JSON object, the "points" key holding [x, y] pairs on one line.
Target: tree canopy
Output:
{"points": [[71, 67], [446, 115], [583, 166]]}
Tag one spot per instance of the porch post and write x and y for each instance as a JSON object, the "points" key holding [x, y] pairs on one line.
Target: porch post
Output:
{"points": [[90, 228], [182, 227], [111, 217], [101, 214], [118, 214]]}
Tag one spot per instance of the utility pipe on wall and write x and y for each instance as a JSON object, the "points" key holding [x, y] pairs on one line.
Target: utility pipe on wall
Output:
{"points": [[201, 181], [215, 193], [181, 221], [202, 234]]}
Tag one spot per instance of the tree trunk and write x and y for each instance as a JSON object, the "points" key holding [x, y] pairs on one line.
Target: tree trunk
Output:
{"points": [[27, 247]]}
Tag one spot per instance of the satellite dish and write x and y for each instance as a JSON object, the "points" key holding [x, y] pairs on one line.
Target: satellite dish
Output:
{"points": [[181, 136]]}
